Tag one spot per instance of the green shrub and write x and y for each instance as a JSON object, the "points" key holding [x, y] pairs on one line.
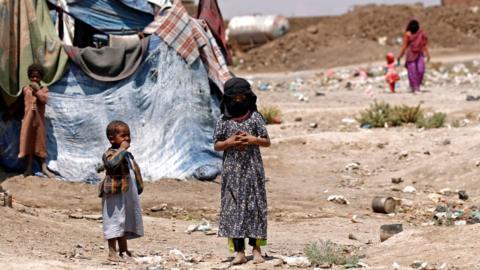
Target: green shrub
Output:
{"points": [[271, 114], [376, 116], [437, 120], [327, 252], [381, 114], [405, 114]]}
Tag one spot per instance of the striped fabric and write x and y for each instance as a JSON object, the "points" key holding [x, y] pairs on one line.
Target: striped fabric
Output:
{"points": [[191, 39]]}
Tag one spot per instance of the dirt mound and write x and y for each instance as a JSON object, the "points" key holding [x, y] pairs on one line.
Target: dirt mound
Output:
{"points": [[354, 37]]}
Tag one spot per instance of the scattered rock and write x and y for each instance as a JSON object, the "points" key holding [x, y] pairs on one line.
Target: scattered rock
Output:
{"points": [[204, 226], [389, 230], [313, 125], [352, 166], [396, 266], [472, 98], [276, 262], [355, 219], [446, 142], [446, 192], [462, 195], [297, 261], [150, 260], [409, 189], [159, 208], [349, 121], [312, 30], [93, 217], [397, 180], [76, 216], [403, 155], [419, 265], [319, 94], [176, 255], [298, 119], [338, 199], [351, 236]]}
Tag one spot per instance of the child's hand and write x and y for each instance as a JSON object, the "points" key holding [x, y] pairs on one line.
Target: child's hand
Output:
{"points": [[124, 145], [248, 139], [234, 140]]}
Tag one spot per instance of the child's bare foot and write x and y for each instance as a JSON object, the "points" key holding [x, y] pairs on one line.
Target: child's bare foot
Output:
{"points": [[113, 257], [257, 255], [240, 258], [127, 255], [46, 171], [28, 172]]}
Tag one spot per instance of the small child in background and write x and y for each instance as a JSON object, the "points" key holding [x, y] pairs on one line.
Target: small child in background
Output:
{"points": [[121, 211], [391, 75], [33, 133]]}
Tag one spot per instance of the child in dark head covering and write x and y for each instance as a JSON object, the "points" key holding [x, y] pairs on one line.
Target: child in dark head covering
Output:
{"points": [[239, 133]]}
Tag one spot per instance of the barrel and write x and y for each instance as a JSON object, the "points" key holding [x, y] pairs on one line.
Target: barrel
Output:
{"points": [[257, 29], [385, 205]]}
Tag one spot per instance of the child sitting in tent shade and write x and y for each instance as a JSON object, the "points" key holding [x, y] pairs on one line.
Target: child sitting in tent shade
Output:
{"points": [[239, 133], [121, 211], [33, 135]]}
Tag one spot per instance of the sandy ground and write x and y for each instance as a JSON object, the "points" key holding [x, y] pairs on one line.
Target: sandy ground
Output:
{"points": [[304, 166]]}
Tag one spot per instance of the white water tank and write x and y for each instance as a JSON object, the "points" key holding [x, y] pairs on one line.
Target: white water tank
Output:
{"points": [[257, 29]]}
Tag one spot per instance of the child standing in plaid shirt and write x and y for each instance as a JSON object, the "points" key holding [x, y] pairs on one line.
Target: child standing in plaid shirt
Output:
{"points": [[121, 211]]}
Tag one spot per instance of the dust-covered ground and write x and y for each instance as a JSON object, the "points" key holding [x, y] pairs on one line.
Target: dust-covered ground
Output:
{"points": [[54, 224], [364, 34]]}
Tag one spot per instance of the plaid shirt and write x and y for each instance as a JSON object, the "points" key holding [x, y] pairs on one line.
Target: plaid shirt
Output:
{"points": [[191, 39], [117, 176]]}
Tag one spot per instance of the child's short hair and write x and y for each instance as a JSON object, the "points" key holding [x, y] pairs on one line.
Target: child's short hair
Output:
{"points": [[35, 67], [112, 127]]}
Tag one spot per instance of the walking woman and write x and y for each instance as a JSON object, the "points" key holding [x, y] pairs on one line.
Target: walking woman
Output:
{"points": [[415, 44]]}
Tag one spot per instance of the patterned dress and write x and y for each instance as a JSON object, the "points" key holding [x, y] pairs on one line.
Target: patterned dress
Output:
{"points": [[243, 210]]}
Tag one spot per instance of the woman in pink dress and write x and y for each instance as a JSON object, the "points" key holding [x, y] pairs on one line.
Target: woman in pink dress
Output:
{"points": [[415, 44]]}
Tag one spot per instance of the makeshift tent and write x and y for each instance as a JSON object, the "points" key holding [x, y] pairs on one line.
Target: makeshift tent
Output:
{"points": [[167, 101]]}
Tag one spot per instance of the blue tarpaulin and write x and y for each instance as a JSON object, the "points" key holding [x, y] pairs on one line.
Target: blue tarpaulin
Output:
{"points": [[112, 16], [167, 104]]}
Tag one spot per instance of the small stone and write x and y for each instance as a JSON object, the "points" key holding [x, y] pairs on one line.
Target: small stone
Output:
{"points": [[409, 189], [427, 153], [397, 180], [446, 142], [75, 216], [351, 236], [298, 119], [389, 230], [312, 30], [79, 246], [159, 208], [462, 195], [93, 217], [313, 125], [477, 163], [403, 155], [276, 262], [352, 166], [319, 94]]}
